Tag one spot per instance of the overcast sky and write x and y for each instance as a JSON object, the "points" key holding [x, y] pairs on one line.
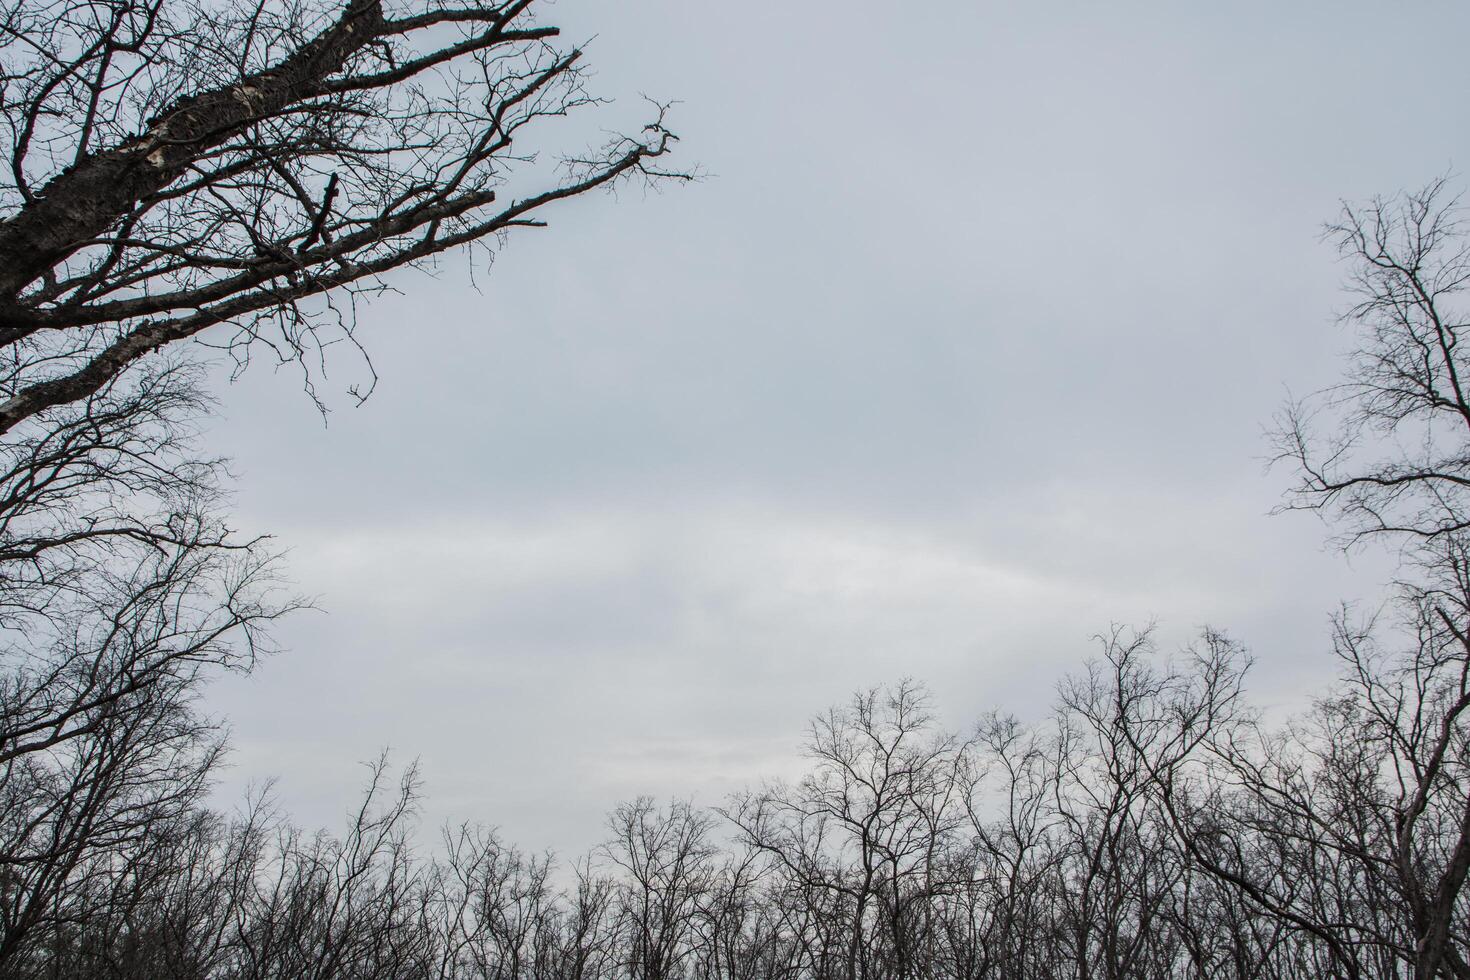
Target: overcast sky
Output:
{"points": [[962, 352]]}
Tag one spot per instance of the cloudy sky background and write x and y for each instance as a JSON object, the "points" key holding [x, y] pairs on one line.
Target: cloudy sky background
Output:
{"points": [[962, 353]]}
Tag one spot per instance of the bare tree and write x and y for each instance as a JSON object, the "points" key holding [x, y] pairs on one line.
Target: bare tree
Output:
{"points": [[863, 840], [120, 589], [176, 165], [667, 876], [1385, 452], [173, 166], [1350, 828]]}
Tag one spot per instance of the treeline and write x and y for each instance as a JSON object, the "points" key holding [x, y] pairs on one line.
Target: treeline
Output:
{"points": [[1152, 828]]}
